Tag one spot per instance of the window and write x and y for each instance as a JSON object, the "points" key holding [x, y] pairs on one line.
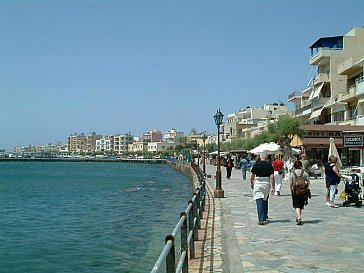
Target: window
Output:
{"points": [[339, 116]]}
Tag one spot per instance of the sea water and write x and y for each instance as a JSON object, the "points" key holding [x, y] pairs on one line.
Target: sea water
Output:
{"points": [[87, 216]]}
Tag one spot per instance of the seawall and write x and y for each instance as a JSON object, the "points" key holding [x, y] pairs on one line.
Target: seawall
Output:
{"points": [[186, 170]]}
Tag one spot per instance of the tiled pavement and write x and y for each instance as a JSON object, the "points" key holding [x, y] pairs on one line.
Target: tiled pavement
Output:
{"points": [[330, 240]]}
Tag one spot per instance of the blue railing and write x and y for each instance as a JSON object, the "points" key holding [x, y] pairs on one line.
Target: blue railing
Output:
{"points": [[187, 226]]}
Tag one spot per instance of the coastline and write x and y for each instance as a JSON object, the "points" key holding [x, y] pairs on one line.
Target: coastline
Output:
{"points": [[145, 161]]}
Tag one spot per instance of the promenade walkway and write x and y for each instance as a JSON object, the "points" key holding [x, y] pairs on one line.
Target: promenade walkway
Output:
{"points": [[330, 239]]}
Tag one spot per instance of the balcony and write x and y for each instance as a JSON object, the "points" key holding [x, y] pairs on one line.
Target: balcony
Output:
{"points": [[306, 110], [349, 67], [348, 95], [359, 120], [323, 56], [294, 95], [322, 77], [359, 86]]}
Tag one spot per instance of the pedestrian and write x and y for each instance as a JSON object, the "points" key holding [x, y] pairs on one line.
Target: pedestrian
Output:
{"points": [[229, 164], [252, 162], [288, 165], [327, 185], [244, 166], [306, 165], [262, 182], [298, 200], [333, 179], [278, 167]]}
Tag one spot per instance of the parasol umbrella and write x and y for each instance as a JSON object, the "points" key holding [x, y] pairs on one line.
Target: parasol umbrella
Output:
{"points": [[333, 151], [269, 148]]}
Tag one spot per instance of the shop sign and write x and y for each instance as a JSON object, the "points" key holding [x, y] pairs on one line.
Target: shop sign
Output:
{"points": [[353, 141], [323, 134]]}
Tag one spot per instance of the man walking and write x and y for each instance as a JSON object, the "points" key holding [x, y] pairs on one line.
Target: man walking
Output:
{"points": [[244, 166], [262, 182]]}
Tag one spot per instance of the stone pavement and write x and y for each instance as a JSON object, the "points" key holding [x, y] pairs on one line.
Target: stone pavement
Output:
{"points": [[330, 239]]}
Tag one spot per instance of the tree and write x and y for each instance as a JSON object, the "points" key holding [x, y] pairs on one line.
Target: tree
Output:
{"points": [[193, 131], [283, 130]]}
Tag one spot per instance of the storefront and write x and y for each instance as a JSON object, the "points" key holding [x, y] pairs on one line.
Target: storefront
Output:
{"points": [[348, 140]]}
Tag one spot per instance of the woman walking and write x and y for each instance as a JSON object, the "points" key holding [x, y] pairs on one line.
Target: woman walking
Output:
{"points": [[229, 164], [298, 201], [333, 177], [278, 174]]}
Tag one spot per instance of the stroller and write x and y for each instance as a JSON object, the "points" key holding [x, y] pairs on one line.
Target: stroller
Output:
{"points": [[352, 191]]}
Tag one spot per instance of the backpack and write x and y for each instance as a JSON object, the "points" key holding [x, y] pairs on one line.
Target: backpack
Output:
{"points": [[300, 187]]}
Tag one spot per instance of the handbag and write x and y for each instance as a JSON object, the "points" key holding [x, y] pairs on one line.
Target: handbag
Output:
{"points": [[280, 172], [343, 195]]}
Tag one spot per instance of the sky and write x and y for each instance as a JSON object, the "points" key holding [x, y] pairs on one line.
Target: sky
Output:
{"points": [[113, 67]]}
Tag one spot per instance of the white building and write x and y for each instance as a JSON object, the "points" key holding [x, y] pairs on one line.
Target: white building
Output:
{"points": [[173, 136], [240, 125], [157, 147], [105, 144], [121, 142]]}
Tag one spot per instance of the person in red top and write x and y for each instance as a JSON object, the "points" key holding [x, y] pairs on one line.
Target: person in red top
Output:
{"points": [[278, 174]]}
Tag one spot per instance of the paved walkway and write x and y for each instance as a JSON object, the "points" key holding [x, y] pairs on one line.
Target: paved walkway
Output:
{"points": [[330, 240]]}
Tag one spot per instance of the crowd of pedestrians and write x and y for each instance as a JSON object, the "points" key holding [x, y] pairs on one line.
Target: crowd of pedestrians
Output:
{"points": [[268, 175]]}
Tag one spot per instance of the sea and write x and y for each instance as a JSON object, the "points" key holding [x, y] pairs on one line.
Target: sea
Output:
{"points": [[87, 216]]}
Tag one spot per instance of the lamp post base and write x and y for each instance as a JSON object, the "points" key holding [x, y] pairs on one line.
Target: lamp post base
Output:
{"points": [[219, 193]]}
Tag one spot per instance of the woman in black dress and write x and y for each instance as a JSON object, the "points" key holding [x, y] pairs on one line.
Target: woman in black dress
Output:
{"points": [[298, 202]]}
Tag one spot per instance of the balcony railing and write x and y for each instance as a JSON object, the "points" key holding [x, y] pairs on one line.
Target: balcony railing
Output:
{"points": [[302, 110], [359, 83], [323, 53], [294, 94]]}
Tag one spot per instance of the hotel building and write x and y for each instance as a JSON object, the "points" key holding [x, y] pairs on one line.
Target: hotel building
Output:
{"points": [[334, 98]]}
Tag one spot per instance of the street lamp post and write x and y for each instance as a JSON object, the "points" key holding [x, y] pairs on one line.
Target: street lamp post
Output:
{"points": [[198, 156], [204, 154], [218, 193]]}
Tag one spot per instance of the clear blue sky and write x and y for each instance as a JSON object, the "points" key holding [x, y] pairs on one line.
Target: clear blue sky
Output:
{"points": [[76, 66]]}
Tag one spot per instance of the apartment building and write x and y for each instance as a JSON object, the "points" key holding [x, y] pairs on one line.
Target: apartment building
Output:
{"points": [[121, 142], [334, 96], [105, 144], [138, 146], [157, 147], [77, 143], [114, 143], [173, 136], [82, 143], [336, 91], [240, 125], [152, 136]]}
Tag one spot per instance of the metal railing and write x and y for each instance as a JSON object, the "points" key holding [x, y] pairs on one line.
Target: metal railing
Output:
{"points": [[188, 226]]}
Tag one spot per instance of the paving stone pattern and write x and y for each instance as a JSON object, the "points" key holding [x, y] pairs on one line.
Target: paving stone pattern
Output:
{"points": [[330, 239]]}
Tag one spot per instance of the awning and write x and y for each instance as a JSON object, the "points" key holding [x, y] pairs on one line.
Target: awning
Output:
{"points": [[316, 113], [316, 92], [321, 142], [359, 111]]}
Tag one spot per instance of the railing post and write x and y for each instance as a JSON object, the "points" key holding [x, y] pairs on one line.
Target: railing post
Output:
{"points": [[200, 202], [195, 215], [190, 228], [203, 192], [184, 245], [198, 207], [171, 257]]}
